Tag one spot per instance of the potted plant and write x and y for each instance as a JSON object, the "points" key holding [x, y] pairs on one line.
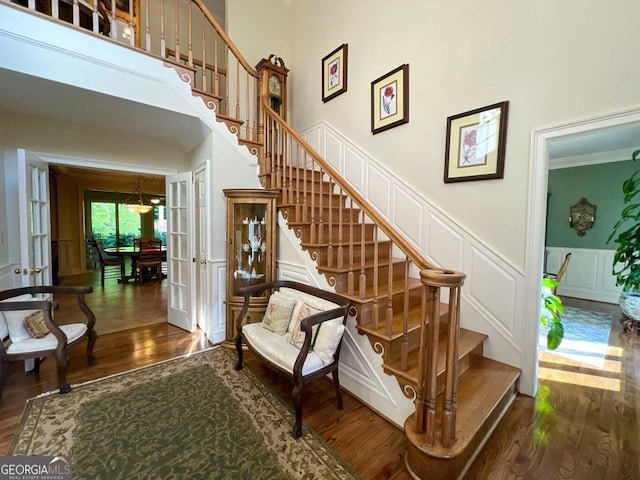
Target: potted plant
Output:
{"points": [[550, 310], [626, 261]]}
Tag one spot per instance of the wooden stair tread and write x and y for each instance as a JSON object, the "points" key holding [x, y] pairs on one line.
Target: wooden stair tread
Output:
{"points": [[344, 243], [397, 287], [469, 341], [228, 120], [481, 390], [369, 264], [208, 94]]}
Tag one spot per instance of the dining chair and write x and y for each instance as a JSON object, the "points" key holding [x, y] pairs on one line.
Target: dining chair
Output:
{"points": [[149, 260], [106, 261], [560, 273]]}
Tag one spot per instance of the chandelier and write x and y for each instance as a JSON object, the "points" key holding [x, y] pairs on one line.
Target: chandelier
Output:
{"points": [[139, 207]]}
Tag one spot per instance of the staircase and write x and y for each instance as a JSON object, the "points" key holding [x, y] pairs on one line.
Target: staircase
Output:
{"points": [[397, 302], [408, 308]]}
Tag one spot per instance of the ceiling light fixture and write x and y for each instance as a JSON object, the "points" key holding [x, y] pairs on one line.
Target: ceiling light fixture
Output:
{"points": [[139, 207]]}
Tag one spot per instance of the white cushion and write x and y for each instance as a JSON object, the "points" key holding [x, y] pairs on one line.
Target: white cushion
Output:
{"points": [[15, 319], [327, 339], [73, 331], [276, 349], [315, 302], [4, 330], [295, 335], [278, 314]]}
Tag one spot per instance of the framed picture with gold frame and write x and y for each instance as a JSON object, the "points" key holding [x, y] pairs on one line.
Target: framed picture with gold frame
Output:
{"points": [[390, 99], [475, 144], [334, 73]]}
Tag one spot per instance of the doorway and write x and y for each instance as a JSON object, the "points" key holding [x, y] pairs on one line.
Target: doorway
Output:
{"points": [[83, 196], [573, 134]]}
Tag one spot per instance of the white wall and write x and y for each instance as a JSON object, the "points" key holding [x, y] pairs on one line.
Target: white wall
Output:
{"points": [[261, 27], [554, 61]]}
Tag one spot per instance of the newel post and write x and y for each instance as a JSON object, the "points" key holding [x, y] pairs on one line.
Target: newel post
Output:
{"points": [[426, 415]]}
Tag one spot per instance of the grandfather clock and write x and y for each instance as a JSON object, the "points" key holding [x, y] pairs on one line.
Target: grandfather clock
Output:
{"points": [[273, 83]]}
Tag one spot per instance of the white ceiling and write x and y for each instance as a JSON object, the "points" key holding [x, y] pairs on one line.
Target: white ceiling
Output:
{"points": [[613, 139]]}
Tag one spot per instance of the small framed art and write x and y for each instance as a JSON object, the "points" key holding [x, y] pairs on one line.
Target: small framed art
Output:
{"points": [[475, 144], [334, 73], [390, 100]]}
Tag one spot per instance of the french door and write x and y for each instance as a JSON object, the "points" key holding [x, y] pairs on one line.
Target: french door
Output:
{"points": [[35, 236], [181, 295]]}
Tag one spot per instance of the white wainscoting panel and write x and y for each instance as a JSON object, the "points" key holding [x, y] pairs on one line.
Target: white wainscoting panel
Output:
{"points": [[353, 167], [445, 243], [493, 288], [333, 148], [407, 211], [493, 294], [588, 275], [217, 331], [378, 190]]}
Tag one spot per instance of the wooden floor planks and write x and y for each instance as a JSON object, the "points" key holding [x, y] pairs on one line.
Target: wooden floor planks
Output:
{"points": [[568, 432]]}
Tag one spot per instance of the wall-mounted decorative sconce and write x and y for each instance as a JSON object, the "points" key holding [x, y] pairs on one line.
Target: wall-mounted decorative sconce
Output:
{"points": [[581, 216]]}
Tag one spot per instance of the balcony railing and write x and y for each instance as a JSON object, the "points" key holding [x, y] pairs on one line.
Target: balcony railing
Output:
{"points": [[181, 32]]}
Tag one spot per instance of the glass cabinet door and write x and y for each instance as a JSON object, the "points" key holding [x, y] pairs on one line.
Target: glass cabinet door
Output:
{"points": [[250, 240], [251, 251]]}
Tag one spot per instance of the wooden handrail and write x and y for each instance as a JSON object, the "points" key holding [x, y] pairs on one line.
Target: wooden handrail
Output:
{"points": [[364, 204], [226, 38]]}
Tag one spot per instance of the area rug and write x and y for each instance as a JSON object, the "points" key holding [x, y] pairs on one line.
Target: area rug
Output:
{"points": [[193, 417], [586, 336]]}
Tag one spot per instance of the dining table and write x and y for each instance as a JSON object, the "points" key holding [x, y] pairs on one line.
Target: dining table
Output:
{"points": [[133, 253]]}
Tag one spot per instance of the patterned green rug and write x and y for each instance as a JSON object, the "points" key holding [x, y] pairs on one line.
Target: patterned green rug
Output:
{"points": [[193, 417]]}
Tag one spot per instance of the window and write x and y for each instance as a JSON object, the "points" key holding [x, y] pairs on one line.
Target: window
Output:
{"points": [[114, 224]]}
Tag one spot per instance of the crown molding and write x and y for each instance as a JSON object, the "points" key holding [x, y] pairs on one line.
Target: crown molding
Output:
{"points": [[592, 159]]}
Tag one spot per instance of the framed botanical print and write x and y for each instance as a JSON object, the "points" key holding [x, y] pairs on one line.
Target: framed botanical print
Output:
{"points": [[475, 144], [334, 73], [390, 99]]}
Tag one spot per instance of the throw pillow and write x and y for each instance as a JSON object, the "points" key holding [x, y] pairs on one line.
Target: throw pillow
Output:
{"points": [[278, 313], [35, 325], [327, 339], [296, 335], [15, 319]]}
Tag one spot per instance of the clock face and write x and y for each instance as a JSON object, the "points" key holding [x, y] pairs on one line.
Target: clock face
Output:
{"points": [[275, 85]]}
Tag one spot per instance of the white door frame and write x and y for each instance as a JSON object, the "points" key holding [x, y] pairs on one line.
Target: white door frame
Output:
{"points": [[537, 205]]}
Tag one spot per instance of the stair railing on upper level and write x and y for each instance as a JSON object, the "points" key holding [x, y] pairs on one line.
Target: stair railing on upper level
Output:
{"points": [[182, 32], [291, 165]]}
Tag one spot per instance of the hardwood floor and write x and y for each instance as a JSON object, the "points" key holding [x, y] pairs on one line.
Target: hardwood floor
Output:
{"points": [[569, 431]]}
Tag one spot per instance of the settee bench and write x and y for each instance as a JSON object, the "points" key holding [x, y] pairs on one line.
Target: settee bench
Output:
{"points": [[300, 335]]}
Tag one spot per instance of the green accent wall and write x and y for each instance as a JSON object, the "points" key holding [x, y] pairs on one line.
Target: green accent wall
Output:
{"points": [[601, 185]]}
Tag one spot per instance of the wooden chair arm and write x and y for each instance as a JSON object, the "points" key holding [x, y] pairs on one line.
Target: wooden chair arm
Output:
{"points": [[79, 291]]}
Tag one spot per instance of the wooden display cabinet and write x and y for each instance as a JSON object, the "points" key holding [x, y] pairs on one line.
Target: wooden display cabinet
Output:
{"points": [[251, 250]]}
